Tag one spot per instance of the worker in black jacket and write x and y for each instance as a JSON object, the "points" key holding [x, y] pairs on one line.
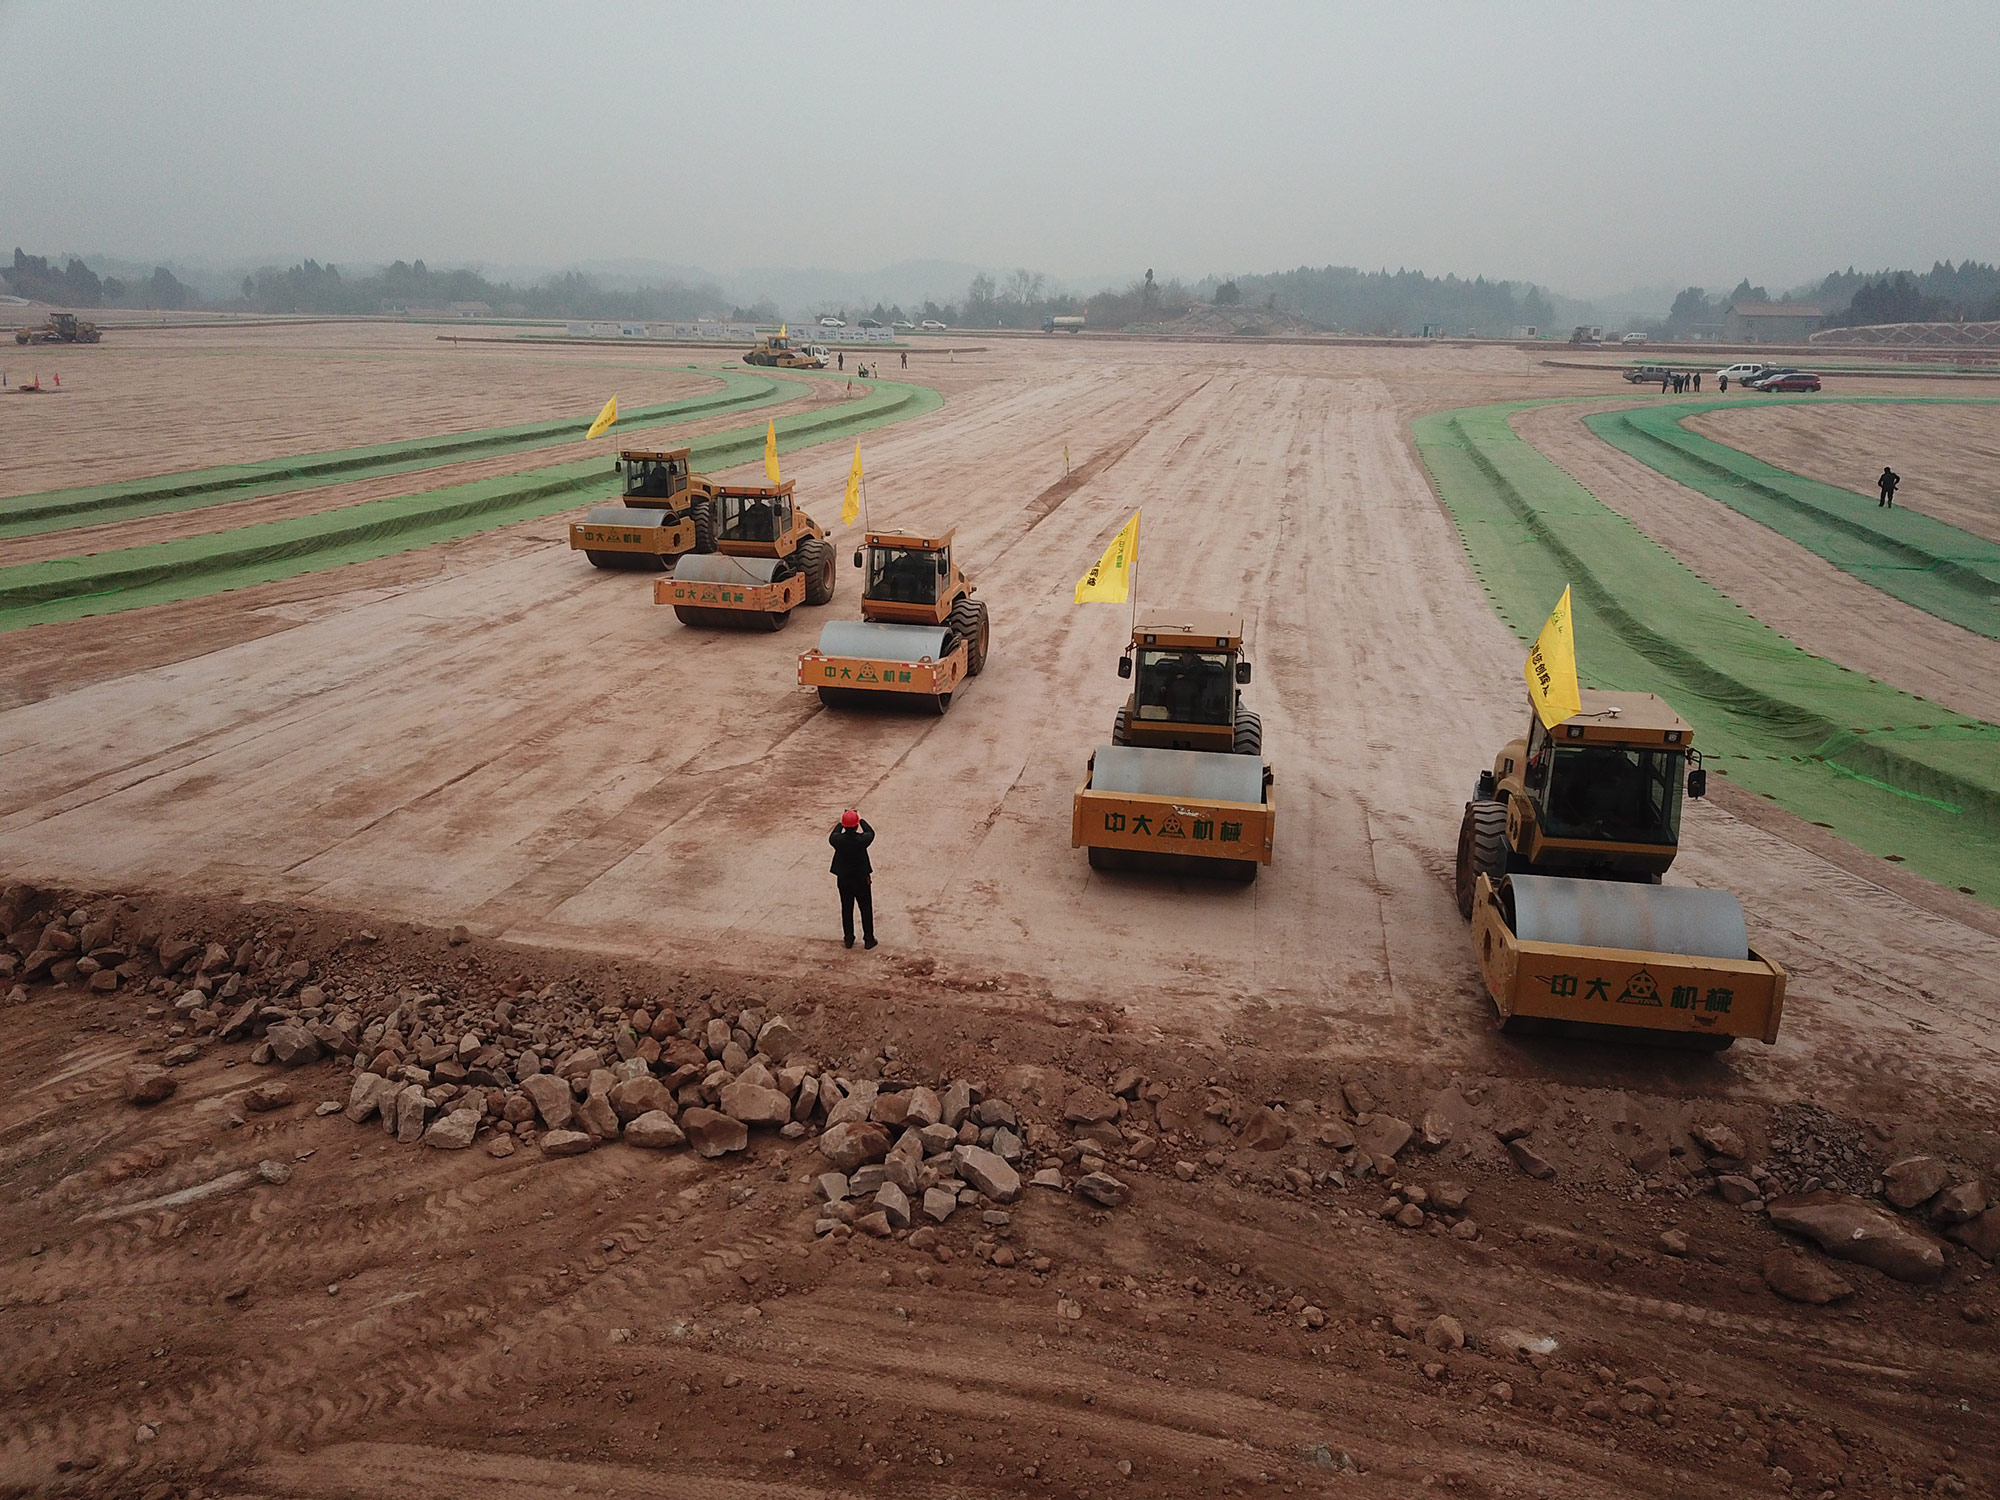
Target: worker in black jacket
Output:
{"points": [[852, 870]]}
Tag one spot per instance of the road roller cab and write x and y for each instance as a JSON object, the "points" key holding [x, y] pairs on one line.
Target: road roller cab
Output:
{"points": [[667, 510], [921, 632], [1560, 856], [769, 558], [1183, 786]]}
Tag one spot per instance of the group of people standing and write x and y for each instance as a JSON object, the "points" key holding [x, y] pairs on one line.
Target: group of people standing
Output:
{"points": [[1679, 381]]}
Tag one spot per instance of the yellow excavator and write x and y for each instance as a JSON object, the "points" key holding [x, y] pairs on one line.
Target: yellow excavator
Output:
{"points": [[1183, 786], [920, 635], [769, 558], [667, 510], [1561, 852]]}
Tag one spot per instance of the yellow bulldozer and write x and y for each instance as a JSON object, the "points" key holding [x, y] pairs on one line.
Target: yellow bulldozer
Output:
{"points": [[60, 328], [769, 558], [778, 350], [667, 510], [920, 635], [1560, 857], [1183, 786]]}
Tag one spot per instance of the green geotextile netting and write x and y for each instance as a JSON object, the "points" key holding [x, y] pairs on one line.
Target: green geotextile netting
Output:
{"points": [[1890, 772], [92, 505], [69, 588], [1923, 561]]}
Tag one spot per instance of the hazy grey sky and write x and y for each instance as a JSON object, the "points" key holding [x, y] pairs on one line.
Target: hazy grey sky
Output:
{"points": [[1587, 146]]}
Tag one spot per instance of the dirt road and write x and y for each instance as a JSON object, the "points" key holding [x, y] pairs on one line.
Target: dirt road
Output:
{"points": [[503, 738]]}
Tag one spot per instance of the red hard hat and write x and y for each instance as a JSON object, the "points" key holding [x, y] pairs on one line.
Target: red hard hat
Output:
{"points": [[850, 819]]}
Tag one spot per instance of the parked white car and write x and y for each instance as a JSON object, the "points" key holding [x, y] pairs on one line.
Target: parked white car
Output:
{"points": [[1633, 338], [1743, 372], [831, 323], [931, 325]]}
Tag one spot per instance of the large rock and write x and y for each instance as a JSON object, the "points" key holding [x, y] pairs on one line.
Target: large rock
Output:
{"points": [[855, 1107], [894, 1202], [268, 1096], [293, 1046], [924, 1107], [1264, 1130], [1981, 1235], [565, 1143], [754, 1104], [1799, 1279], [854, 1143], [1102, 1188], [1719, 1140], [1088, 1106], [455, 1131], [1853, 1229], [656, 1130], [597, 1116], [579, 1064], [147, 1084], [552, 1099], [1914, 1180], [641, 1096], [411, 1110], [987, 1172], [776, 1039], [1961, 1204], [367, 1095], [1383, 1135], [713, 1133], [956, 1103], [1531, 1161]]}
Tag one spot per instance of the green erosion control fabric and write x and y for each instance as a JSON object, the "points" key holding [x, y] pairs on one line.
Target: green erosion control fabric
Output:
{"points": [[69, 588], [1935, 566], [1888, 771], [55, 510]]}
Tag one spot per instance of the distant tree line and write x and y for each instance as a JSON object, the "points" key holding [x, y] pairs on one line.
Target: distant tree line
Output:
{"points": [[310, 287], [76, 285], [1968, 292]]}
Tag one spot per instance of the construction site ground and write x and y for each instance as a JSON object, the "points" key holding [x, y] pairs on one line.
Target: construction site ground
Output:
{"points": [[490, 734]]}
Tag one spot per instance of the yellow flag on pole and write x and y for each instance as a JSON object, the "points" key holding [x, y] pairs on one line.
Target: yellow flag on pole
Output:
{"points": [[604, 419], [783, 330], [1551, 668], [851, 506], [1109, 580], [771, 452]]}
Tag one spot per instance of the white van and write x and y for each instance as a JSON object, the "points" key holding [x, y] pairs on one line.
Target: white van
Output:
{"points": [[1747, 370]]}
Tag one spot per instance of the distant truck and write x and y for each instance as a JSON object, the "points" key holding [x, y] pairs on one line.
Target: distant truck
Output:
{"points": [[1063, 325], [1584, 334], [61, 328]]}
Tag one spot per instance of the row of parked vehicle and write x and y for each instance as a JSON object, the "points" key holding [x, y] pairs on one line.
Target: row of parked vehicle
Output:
{"points": [[929, 325], [1751, 375]]}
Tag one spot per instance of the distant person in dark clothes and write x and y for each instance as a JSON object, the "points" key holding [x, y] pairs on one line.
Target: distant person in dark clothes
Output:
{"points": [[905, 358], [853, 871], [1888, 482], [840, 363], [1666, 381], [1697, 382], [1722, 383]]}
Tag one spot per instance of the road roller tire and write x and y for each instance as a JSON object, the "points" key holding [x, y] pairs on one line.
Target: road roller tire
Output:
{"points": [[1119, 723], [1249, 734], [626, 562], [1482, 849], [815, 559], [968, 622], [703, 511]]}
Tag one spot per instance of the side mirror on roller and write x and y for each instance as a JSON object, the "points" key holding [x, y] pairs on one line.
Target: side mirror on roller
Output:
{"points": [[1124, 666], [1486, 787], [857, 557], [1242, 672], [1698, 783]]}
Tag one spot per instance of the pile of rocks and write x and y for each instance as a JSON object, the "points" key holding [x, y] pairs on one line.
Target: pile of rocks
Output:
{"points": [[40, 941]]}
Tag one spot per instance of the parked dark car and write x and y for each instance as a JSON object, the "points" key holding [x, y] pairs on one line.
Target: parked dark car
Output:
{"points": [[1791, 380], [1757, 382], [1644, 375]]}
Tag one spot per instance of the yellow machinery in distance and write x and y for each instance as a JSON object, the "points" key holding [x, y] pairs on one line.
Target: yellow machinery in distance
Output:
{"points": [[769, 557], [1560, 857], [1183, 786], [667, 510], [920, 635], [60, 328], [777, 350]]}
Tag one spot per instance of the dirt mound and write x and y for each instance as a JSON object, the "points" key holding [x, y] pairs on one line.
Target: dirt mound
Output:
{"points": [[1242, 322]]}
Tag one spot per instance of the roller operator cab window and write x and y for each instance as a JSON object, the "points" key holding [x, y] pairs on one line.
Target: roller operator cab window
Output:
{"points": [[1186, 687], [903, 575], [1612, 794], [753, 518], [651, 478]]}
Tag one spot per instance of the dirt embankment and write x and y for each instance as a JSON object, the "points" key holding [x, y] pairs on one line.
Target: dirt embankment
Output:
{"points": [[1321, 1276]]}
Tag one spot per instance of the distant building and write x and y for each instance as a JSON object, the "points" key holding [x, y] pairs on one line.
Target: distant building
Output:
{"points": [[1770, 322], [468, 310]]}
